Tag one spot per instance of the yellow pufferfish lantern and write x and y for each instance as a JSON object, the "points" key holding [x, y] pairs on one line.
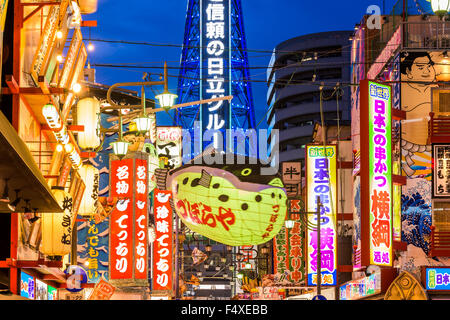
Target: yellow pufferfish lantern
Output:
{"points": [[230, 204]]}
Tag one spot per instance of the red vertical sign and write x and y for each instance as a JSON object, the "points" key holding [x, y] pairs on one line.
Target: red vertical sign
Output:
{"points": [[162, 246], [121, 225], [141, 220]]}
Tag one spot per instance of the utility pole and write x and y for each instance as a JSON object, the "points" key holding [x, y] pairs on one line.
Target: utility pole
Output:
{"points": [[319, 258]]}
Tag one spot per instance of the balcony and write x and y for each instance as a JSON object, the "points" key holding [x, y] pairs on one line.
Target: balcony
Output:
{"points": [[440, 243], [426, 35], [438, 129]]}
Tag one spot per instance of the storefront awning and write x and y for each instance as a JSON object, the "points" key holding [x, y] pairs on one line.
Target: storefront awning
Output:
{"points": [[18, 166]]}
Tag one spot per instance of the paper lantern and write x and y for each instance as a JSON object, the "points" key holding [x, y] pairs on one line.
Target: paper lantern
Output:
{"points": [[88, 6], [231, 204], [90, 176], [444, 74], [56, 228], [52, 116], [88, 110], [440, 7]]}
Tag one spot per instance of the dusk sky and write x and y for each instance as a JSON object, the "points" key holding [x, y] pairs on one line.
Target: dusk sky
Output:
{"points": [[267, 23]]}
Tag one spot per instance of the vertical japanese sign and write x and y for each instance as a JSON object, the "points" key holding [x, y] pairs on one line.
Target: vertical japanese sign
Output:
{"points": [[168, 146], [376, 174], [441, 171], [292, 177], [215, 54], [321, 182], [162, 246], [288, 254], [92, 251], [141, 219], [129, 221]]}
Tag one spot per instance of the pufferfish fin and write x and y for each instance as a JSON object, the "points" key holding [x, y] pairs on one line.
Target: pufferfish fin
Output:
{"points": [[161, 178], [276, 182]]}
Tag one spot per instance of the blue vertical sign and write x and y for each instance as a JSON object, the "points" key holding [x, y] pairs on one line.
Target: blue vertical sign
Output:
{"points": [[215, 71]]}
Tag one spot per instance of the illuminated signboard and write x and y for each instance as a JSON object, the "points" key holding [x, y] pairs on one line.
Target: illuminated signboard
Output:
{"points": [[288, 253], [27, 286], [321, 182], [438, 278], [162, 246], [128, 265], [168, 146], [215, 77], [41, 290], [52, 293], [376, 174], [230, 204], [441, 171], [47, 40], [362, 288]]}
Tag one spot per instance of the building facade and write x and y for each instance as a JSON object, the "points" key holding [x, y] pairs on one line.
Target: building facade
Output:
{"points": [[298, 68], [412, 63]]}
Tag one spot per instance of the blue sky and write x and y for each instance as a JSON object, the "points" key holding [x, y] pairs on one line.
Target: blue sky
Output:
{"points": [[267, 23]]}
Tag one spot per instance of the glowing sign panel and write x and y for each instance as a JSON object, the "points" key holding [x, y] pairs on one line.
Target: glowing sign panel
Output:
{"points": [[380, 174], [321, 182], [229, 204], [215, 71]]}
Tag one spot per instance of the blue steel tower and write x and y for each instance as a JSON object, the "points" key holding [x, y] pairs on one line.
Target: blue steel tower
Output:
{"points": [[214, 63]]}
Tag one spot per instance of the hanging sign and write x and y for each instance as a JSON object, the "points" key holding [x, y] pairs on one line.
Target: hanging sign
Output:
{"points": [[78, 69], [292, 172], [168, 146], [215, 71], [321, 182], [47, 41], [441, 171], [162, 246], [102, 291], [70, 59], [129, 221], [376, 174]]}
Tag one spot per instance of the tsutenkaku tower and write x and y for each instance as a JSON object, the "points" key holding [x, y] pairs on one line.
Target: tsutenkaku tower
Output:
{"points": [[214, 63]]}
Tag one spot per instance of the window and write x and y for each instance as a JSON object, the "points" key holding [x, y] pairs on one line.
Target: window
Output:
{"points": [[441, 216]]}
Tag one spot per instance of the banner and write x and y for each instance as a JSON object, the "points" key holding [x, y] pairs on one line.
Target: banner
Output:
{"points": [[128, 263], [162, 246]]}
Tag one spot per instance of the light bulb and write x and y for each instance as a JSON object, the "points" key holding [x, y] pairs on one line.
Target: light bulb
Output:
{"points": [[76, 88], [59, 34], [90, 47], [59, 147], [59, 58]]}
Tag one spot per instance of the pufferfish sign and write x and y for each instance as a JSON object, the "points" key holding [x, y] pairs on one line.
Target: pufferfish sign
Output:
{"points": [[230, 204]]}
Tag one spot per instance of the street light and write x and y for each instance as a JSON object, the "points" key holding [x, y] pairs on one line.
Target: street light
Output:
{"points": [[166, 99], [440, 7]]}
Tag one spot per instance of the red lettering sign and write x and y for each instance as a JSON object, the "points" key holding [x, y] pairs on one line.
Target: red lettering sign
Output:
{"points": [[162, 246]]}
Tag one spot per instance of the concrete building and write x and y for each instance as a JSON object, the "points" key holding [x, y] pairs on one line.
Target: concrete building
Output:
{"points": [[298, 68]]}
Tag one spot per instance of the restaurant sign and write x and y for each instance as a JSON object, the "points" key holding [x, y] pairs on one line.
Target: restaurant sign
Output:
{"points": [[321, 183], [128, 265], [376, 174]]}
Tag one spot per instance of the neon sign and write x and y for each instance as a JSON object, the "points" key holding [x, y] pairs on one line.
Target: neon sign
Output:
{"points": [[321, 182], [215, 74]]}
